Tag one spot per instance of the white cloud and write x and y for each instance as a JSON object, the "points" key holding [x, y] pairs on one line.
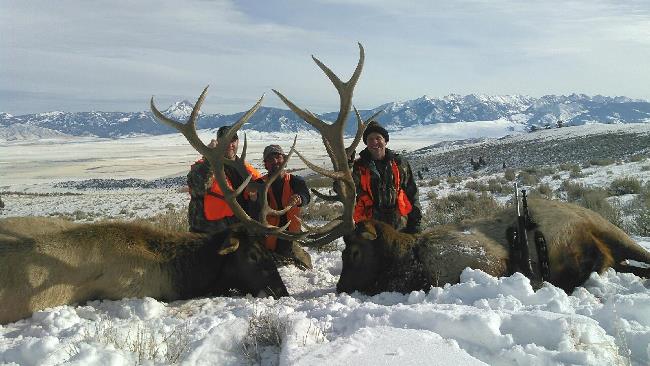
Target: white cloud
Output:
{"points": [[127, 50]]}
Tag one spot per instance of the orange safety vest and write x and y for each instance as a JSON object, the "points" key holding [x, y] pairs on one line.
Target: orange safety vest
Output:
{"points": [[363, 207], [271, 241], [214, 205]]}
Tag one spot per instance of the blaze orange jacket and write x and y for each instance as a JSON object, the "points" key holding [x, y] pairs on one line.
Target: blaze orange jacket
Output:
{"points": [[214, 205], [271, 241], [364, 205]]}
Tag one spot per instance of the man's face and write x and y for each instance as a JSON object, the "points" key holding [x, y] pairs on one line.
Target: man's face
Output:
{"points": [[376, 145], [231, 149], [273, 162]]}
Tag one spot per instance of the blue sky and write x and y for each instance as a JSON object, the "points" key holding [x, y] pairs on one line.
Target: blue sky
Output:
{"points": [[75, 55]]}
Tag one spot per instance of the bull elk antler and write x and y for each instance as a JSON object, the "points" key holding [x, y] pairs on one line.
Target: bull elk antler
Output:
{"points": [[217, 162], [332, 135]]}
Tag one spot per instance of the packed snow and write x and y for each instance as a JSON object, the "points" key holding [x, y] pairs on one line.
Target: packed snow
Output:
{"points": [[481, 320]]}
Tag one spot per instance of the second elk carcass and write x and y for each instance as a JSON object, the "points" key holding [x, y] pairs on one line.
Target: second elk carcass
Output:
{"points": [[377, 258]]}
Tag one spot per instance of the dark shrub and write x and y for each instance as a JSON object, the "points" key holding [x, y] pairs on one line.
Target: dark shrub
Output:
{"points": [[528, 178], [601, 162], [637, 158], [574, 191], [626, 185], [476, 186]]}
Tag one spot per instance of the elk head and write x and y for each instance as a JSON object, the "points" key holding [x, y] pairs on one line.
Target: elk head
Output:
{"points": [[372, 250], [248, 267]]}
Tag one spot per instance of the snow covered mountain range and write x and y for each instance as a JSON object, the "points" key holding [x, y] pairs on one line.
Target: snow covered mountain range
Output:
{"points": [[574, 109]]}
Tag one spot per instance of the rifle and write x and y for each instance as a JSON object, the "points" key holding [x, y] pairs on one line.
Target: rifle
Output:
{"points": [[519, 254]]}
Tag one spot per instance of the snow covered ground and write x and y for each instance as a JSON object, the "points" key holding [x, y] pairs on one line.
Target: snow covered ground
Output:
{"points": [[482, 320]]}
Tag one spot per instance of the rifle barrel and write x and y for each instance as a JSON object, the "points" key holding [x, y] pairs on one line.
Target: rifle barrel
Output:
{"points": [[517, 199]]}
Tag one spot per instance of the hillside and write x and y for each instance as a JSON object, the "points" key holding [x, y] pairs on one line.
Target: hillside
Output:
{"points": [[533, 113], [580, 144]]}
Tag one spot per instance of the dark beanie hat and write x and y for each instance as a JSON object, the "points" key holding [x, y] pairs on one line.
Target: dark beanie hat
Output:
{"points": [[374, 126], [273, 149], [224, 130]]}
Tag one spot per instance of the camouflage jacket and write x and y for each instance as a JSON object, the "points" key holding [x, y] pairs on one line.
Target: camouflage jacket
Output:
{"points": [[384, 195], [199, 183]]}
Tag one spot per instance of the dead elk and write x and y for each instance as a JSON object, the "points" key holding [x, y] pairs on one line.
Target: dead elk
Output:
{"points": [[377, 258], [46, 262]]}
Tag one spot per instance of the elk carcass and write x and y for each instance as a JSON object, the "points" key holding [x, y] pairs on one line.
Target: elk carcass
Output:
{"points": [[46, 262], [377, 258]]}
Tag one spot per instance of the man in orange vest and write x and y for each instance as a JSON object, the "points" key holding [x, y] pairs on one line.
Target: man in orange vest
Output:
{"points": [[207, 211], [385, 185], [286, 190]]}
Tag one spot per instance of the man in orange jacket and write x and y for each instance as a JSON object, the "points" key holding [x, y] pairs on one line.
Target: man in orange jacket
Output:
{"points": [[208, 212], [385, 185], [286, 190]]}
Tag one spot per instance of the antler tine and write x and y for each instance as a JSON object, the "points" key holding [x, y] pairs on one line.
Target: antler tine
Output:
{"points": [[345, 89], [332, 135], [244, 148], [215, 157], [266, 209], [232, 131], [361, 127], [325, 197], [197, 107], [322, 171], [305, 115], [188, 129]]}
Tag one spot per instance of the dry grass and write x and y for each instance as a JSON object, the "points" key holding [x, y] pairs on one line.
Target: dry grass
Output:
{"points": [[319, 182], [170, 220], [321, 210], [265, 329], [148, 344], [458, 207], [544, 190]]}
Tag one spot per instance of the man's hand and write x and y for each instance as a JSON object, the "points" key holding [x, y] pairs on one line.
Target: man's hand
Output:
{"points": [[295, 200], [212, 144]]}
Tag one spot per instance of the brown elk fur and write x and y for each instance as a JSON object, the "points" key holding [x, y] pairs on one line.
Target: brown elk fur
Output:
{"points": [[45, 262], [579, 242]]}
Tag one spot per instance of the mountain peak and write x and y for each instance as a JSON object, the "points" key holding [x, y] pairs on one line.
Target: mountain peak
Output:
{"points": [[180, 110]]}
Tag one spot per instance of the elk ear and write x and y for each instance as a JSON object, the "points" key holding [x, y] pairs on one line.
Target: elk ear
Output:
{"points": [[369, 231], [229, 245]]}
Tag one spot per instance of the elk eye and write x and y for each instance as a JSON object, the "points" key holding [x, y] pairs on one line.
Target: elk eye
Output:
{"points": [[253, 257]]}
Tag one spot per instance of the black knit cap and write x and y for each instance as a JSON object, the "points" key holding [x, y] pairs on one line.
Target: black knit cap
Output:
{"points": [[224, 130], [374, 126]]}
